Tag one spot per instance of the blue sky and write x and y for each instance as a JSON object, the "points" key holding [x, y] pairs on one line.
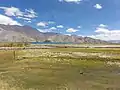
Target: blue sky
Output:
{"points": [[94, 18]]}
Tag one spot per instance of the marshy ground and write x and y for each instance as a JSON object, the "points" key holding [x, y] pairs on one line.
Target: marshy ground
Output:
{"points": [[60, 69]]}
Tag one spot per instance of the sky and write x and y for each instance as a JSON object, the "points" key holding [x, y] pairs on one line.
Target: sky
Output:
{"points": [[98, 19]]}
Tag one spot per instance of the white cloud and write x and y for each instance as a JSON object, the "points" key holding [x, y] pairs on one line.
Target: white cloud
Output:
{"points": [[51, 22], [8, 21], [42, 30], [98, 6], [71, 30], [12, 11], [68, 34], [42, 24], [81, 36], [102, 25], [29, 21], [106, 34], [102, 30], [78, 26], [53, 28], [71, 1], [24, 18], [60, 26], [30, 13]]}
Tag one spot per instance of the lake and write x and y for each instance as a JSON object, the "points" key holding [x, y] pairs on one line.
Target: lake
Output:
{"points": [[51, 42]]}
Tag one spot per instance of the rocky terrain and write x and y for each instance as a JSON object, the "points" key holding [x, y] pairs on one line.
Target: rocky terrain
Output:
{"points": [[14, 33]]}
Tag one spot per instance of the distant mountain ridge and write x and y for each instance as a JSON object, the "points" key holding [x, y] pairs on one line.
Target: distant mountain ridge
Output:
{"points": [[114, 41], [14, 33]]}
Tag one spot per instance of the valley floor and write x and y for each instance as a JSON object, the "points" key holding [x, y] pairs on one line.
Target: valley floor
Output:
{"points": [[60, 69]]}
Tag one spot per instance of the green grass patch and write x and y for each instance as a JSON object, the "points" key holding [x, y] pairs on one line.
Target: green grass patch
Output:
{"points": [[33, 71], [88, 50]]}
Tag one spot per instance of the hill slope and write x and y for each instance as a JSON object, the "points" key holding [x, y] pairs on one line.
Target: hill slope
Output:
{"points": [[14, 33]]}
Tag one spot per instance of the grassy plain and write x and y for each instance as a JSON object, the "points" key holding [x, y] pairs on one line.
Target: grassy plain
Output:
{"points": [[60, 69]]}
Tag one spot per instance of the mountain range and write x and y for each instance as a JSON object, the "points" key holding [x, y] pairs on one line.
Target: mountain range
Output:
{"points": [[14, 33], [115, 41]]}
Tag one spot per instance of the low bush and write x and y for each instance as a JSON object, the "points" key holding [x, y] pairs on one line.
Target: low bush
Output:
{"points": [[14, 44]]}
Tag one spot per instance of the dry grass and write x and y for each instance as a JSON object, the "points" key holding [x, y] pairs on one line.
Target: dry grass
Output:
{"points": [[50, 69]]}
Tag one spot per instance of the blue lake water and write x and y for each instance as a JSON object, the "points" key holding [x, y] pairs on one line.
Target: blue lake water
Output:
{"points": [[51, 43]]}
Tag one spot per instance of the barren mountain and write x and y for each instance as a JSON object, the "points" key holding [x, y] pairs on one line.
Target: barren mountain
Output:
{"points": [[14, 33]]}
